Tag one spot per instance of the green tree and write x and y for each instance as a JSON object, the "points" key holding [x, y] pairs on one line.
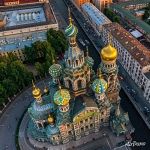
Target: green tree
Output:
{"points": [[3, 70], [2, 94], [146, 15], [30, 54], [116, 19], [57, 40], [39, 68], [19, 73], [40, 48], [10, 87]]}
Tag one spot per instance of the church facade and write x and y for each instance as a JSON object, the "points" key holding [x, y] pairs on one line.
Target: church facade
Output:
{"points": [[78, 101]]}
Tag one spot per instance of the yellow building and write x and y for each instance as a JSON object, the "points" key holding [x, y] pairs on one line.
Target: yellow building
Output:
{"points": [[101, 4], [80, 2]]}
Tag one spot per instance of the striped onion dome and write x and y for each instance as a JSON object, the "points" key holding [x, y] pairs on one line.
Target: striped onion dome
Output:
{"points": [[99, 86], [55, 70], [71, 30], [62, 97]]}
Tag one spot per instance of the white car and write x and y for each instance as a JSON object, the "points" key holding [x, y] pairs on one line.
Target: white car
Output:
{"points": [[81, 41], [87, 41]]}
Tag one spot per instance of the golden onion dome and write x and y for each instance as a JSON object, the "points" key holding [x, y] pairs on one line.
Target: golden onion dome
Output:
{"points": [[109, 53], [36, 92], [50, 119]]}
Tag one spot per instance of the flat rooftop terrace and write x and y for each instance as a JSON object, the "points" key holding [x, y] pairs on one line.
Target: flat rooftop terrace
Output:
{"points": [[27, 16]]}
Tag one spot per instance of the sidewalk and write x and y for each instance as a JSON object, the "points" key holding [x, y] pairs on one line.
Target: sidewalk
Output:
{"points": [[11, 116], [137, 99]]}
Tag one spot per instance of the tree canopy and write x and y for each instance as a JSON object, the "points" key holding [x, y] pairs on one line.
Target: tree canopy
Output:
{"points": [[42, 53], [111, 15], [13, 76]]}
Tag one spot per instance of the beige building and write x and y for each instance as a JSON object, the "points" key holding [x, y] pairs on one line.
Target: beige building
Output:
{"points": [[133, 56], [28, 26], [95, 16], [101, 4]]}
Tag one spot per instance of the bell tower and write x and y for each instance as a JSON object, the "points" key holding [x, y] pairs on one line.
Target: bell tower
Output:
{"points": [[76, 73], [110, 71]]}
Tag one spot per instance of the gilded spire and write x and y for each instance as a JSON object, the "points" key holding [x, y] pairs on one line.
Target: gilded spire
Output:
{"points": [[36, 92], [109, 39], [70, 18], [33, 85], [59, 86], [100, 73]]}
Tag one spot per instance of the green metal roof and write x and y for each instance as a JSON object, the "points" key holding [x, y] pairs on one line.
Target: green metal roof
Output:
{"points": [[126, 13]]}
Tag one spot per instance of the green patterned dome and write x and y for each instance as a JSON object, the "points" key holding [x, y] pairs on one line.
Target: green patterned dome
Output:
{"points": [[99, 86], [71, 30], [89, 61], [55, 70], [62, 97]]}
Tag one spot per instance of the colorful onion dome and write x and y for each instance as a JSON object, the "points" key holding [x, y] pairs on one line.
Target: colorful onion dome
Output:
{"points": [[55, 70], [36, 92], [62, 97], [50, 119], [109, 53], [71, 30], [99, 86]]}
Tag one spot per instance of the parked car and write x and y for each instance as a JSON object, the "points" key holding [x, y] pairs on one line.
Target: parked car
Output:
{"points": [[87, 41], [81, 41], [146, 110]]}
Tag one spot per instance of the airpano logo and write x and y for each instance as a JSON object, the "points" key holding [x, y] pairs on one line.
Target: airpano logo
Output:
{"points": [[135, 143]]}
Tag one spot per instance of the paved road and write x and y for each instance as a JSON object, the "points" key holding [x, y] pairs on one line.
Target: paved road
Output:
{"points": [[62, 10], [10, 118]]}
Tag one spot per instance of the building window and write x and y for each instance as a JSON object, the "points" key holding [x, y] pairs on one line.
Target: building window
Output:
{"points": [[76, 62], [82, 129], [69, 62], [70, 133]]}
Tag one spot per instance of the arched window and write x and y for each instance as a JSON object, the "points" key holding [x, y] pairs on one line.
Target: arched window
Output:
{"points": [[76, 62], [69, 62], [70, 84], [79, 84]]}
